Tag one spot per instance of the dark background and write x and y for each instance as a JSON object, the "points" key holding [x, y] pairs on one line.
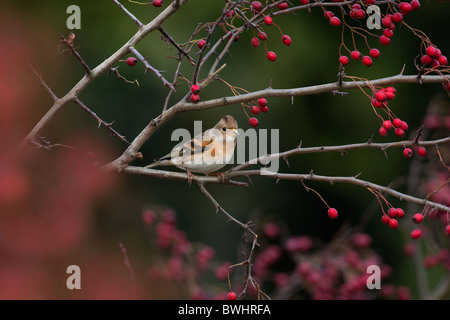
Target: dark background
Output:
{"points": [[115, 215]]}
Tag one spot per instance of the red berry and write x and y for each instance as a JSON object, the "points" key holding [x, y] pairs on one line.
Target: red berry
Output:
{"points": [[367, 61], [386, 21], [404, 7], [447, 229], [431, 51], [344, 60], [195, 98], [262, 102], [399, 132], [264, 109], [268, 20], [231, 296], [389, 95], [415, 4], [384, 40], [443, 60], [392, 212], [282, 6], [374, 53], [255, 42], [304, 1], [416, 233], [262, 36], [400, 213], [253, 122], [404, 126], [335, 21], [157, 3], [286, 40], [388, 32], [380, 96], [255, 109], [376, 103], [435, 64], [426, 59], [360, 14], [407, 153], [422, 151], [332, 213], [271, 56], [397, 122], [355, 55], [201, 43], [393, 224], [369, 1], [417, 218], [391, 89], [271, 230], [256, 5], [397, 17], [387, 124], [383, 132], [328, 14], [385, 219], [131, 61], [195, 89], [229, 13]]}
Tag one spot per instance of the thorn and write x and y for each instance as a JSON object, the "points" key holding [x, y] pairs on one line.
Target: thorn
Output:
{"points": [[403, 69], [287, 162]]}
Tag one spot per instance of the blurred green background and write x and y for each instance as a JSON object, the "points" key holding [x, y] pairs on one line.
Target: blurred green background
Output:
{"points": [[315, 120]]}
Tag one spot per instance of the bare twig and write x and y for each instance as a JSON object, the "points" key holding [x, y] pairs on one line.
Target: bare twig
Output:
{"points": [[176, 45], [49, 90], [149, 67], [100, 121], [128, 13], [68, 42]]}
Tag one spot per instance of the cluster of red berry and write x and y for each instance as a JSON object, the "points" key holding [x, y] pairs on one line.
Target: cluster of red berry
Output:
{"points": [[261, 106], [318, 273], [357, 12], [257, 7], [195, 90], [433, 58]]}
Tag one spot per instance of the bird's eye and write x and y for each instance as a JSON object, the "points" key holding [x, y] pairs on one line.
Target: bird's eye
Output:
{"points": [[224, 129]]}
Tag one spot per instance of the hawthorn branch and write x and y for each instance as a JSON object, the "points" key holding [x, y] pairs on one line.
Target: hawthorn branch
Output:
{"points": [[105, 66], [349, 180], [75, 53], [180, 176], [41, 80], [184, 106], [100, 121], [245, 226], [149, 67], [128, 13], [176, 45], [341, 149]]}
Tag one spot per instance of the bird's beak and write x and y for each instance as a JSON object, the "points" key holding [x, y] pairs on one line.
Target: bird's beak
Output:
{"points": [[234, 133]]}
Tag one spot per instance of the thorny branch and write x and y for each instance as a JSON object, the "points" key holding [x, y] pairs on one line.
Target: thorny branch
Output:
{"points": [[122, 163]]}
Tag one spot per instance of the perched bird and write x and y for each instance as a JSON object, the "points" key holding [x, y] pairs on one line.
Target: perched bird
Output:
{"points": [[207, 152]]}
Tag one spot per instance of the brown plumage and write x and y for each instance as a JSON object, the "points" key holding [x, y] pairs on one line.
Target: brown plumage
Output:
{"points": [[207, 152]]}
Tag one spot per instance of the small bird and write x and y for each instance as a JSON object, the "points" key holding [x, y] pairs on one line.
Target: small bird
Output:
{"points": [[207, 152]]}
